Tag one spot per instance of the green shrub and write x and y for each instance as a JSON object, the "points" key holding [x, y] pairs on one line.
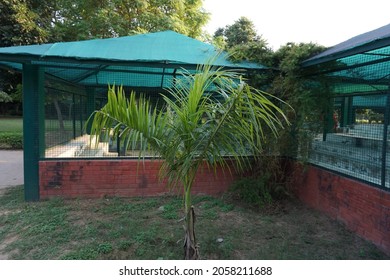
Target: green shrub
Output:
{"points": [[253, 191], [11, 140]]}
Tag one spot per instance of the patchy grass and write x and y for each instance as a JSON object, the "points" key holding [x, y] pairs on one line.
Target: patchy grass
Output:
{"points": [[150, 228]]}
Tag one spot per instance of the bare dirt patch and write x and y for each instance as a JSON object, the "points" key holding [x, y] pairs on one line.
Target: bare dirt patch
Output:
{"points": [[5, 242]]}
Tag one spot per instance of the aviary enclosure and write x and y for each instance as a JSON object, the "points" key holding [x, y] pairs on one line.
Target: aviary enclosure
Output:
{"points": [[348, 176]]}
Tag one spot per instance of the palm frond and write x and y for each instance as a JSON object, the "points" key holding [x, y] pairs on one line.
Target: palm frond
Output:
{"points": [[132, 119], [210, 116]]}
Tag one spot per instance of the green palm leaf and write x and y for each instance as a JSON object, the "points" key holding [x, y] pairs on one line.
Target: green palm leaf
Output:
{"points": [[209, 117]]}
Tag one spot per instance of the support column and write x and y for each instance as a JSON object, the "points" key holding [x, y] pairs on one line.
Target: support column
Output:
{"points": [[328, 119], [345, 112], [384, 143], [33, 128], [90, 106], [351, 114]]}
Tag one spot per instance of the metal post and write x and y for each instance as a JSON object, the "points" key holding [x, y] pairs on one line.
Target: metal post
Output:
{"points": [[33, 128], [81, 114], [328, 119], [74, 116], [351, 114], [118, 145], [384, 144], [90, 106], [346, 111]]}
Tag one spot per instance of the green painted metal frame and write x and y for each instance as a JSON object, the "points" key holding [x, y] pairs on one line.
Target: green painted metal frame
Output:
{"points": [[33, 128], [384, 143]]}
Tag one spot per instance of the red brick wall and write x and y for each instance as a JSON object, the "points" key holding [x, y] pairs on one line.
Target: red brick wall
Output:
{"points": [[364, 209], [118, 177]]}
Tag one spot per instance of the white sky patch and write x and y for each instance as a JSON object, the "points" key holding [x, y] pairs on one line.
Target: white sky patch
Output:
{"points": [[281, 21]]}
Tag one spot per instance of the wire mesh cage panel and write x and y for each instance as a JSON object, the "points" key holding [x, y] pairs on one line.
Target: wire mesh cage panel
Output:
{"points": [[65, 118], [67, 111], [355, 138], [354, 143]]}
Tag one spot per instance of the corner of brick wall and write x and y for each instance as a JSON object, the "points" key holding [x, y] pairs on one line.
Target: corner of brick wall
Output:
{"points": [[363, 208], [119, 177]]}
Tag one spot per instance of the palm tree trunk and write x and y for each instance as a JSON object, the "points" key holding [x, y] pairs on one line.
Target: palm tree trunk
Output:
{"points": [[191, 251]]}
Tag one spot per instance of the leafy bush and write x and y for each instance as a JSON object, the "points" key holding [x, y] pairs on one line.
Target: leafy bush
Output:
{"points": [[253, 191], [4, 97], [11, 140]]}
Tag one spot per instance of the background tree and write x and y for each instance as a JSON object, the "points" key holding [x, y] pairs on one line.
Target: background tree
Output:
{"points": [[17, 98], [243, 43], [22, 22], [25, 22], [196, 127], [86, 19], [308, 103], [4, 98], [240, 32]]}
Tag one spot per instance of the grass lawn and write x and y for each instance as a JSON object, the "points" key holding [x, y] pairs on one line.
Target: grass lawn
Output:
{"points": [[13, 127], [11, 133], [149, 228], [16, 125], [11, 124]]}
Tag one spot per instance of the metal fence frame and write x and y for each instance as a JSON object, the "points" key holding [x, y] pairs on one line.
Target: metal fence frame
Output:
{"points": [[346, 122]]}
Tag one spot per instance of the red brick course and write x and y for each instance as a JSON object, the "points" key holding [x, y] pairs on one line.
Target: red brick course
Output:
{"points": [[363, 208], [119, 177]]}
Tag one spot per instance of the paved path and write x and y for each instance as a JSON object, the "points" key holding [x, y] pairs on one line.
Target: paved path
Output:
{"points": [[11, 168]]}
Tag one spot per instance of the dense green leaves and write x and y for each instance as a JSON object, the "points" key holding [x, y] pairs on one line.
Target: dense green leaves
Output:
{"points": [[4, 97], [85, 19], [241, 32], [23, 22], [30, 21]]}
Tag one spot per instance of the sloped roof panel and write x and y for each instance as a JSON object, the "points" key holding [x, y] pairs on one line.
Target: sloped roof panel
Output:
{"points": [[161, 47], [150, 56], [362, 43]]}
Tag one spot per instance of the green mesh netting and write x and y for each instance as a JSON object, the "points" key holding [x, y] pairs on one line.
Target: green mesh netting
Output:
{"points": [[356, 144]]}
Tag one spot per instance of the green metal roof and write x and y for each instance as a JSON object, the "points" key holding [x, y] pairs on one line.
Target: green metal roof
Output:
{"points": [[363, 43], [360, 65], [145, 60]]}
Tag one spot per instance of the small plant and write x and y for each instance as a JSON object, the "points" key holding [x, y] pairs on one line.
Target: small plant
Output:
{"points": [[253, 191], [104, 248], [170, 212]]}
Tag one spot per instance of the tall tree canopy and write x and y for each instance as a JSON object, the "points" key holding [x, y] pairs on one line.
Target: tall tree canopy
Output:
{"points": [[24, 22], [38, 21], [85, 19], [242, 31], [243, 42]]}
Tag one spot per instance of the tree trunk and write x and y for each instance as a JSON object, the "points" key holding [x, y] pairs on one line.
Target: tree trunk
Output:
{"points": [[59, 115], [191, 251]]}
